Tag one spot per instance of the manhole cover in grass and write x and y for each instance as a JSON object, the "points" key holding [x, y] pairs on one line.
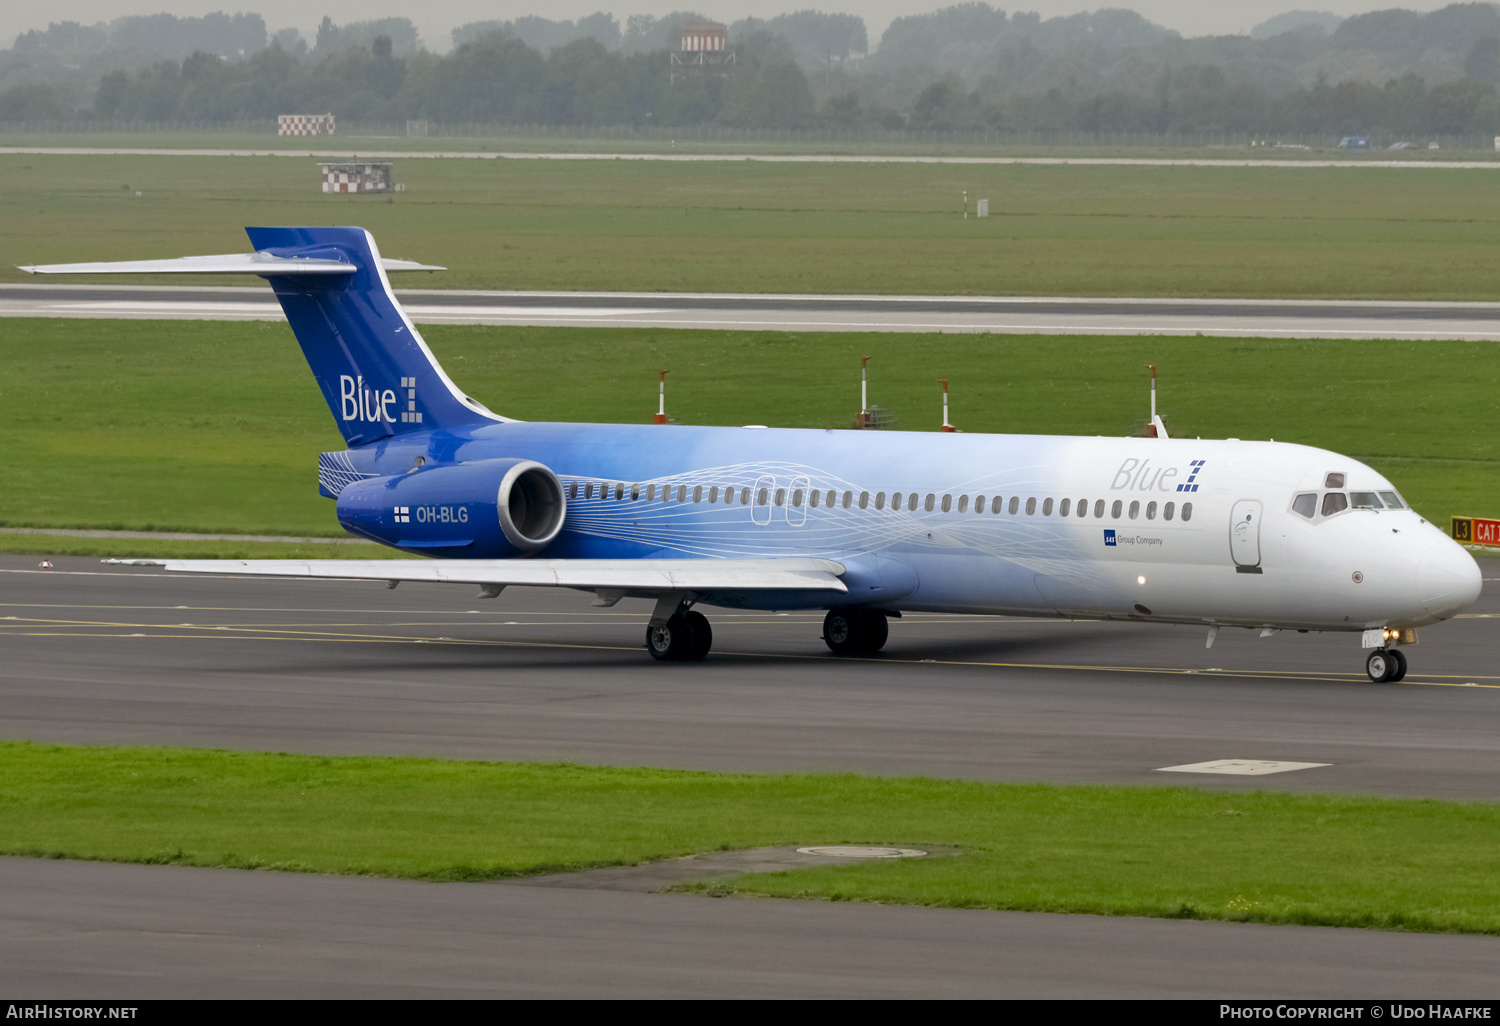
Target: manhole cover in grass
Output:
{"points": [[860, 851]]}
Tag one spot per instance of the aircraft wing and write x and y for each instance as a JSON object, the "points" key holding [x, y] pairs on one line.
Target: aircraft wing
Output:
{"points": [[611, 579]]}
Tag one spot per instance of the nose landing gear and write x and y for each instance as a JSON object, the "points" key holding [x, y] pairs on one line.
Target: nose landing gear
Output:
{"points": [[1386, 665]]}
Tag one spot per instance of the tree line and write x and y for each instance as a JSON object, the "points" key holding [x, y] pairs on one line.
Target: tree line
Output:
{"points": [[969, 66]]}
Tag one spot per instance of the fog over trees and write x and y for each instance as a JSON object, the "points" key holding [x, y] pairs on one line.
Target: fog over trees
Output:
{"points": [[969, 66]]}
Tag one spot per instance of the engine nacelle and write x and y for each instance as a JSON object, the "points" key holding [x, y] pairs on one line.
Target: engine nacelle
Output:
{"points": [[487, 509]]}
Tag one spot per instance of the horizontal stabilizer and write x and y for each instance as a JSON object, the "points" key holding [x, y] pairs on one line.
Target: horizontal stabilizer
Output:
{"points": [[633, 576], [264, 264]]}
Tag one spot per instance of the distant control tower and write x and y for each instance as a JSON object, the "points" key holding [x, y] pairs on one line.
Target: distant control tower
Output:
{"points": [[704, 51]]}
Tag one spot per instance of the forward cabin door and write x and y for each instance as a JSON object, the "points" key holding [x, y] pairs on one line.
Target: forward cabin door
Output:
{"points": [[1244, 536]]}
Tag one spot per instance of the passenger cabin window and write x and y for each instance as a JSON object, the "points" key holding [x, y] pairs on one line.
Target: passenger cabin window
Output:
{"points": [[1187, 512], [1083, 507], [635, 493], [812, 498], [682, 493], [1150, 511], [619, 491], [1135, 509], [1334, 502], [588, 490], [864, 500], [781, 496], [931, 501], [745, 496], [1031, 506], [879, 500], [1046, 507], [1064, 506], [848, 496], [947, 503], [997, 505], [963, 503], [1114, 511], [796, 497], [761, 498], [1099, 510], [1365, 500], [1166, 511], [1015, 504]]}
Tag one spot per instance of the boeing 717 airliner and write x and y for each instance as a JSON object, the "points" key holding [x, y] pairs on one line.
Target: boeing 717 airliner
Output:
{"points": [[1229, 533]]}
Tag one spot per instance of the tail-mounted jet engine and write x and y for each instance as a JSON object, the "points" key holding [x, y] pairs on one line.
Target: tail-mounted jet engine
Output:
{"points": [[487, 509]]}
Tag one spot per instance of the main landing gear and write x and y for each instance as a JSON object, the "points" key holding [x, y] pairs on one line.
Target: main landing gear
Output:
{"points": [[1386, 665], [684, 637], [855, 631]]}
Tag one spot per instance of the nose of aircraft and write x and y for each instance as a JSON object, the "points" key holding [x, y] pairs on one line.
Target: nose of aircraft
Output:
{"points": [[1448, 579]]}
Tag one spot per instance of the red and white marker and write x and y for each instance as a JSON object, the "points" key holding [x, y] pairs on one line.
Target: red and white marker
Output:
{"points": [[864, 394], [45, 564], [946, 425], [1156, 429], [661, 401]]}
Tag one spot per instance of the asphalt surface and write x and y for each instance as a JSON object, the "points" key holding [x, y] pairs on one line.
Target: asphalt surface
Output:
{"points": [[81, 930], [1227, 317], [96, 654]]}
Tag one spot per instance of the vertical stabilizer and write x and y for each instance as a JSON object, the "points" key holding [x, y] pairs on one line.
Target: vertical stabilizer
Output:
{"points": [[377, 375]]}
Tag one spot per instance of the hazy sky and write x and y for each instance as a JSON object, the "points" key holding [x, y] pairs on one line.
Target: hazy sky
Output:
{"points": [[434, 18]]}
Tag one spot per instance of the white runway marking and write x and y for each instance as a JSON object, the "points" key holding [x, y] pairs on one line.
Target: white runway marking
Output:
{"points": [[1242, 767]]}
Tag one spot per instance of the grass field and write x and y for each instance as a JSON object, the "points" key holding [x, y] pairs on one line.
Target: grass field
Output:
{"points": [[1166, 852], [804, 228], [215, 427]]}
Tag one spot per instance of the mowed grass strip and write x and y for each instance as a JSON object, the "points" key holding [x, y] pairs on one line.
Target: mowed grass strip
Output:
{"points": [[215, 427], [1165, 852], [748, 226]]}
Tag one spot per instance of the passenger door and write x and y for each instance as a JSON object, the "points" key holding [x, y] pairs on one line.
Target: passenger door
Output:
{"points": [[1244, 535]]}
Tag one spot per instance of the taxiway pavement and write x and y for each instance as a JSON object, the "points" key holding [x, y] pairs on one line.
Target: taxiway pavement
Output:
{"points": [[122, 655], [1004, 315]]}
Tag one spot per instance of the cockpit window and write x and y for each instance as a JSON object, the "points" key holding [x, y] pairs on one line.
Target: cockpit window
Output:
{"points": [[1365, 500], [1306, 504], [1333, 481], [1334, 502], [1392, 500]]}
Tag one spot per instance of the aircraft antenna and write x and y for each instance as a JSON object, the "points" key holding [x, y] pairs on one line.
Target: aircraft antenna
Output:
{"points": [[661, 400], [946, 426]]}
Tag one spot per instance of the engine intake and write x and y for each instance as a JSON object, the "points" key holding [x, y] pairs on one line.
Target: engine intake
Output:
{"points": [[486, 509]]}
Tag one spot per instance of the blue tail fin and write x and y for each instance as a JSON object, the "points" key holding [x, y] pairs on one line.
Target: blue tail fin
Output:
{"points": [[376, 373]]}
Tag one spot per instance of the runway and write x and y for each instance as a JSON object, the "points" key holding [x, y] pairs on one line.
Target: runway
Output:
{"points": [[120, 655], [1019, 315], [766, 158]]}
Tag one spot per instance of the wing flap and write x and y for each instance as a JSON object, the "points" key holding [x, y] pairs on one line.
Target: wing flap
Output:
{"points": [[637, 576]]}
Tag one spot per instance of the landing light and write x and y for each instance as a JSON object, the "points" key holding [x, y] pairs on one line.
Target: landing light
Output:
{"points": [[1140, 580]]}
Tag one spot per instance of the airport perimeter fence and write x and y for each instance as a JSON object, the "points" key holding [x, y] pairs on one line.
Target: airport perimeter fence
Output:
{"points": [[819, 136]]}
